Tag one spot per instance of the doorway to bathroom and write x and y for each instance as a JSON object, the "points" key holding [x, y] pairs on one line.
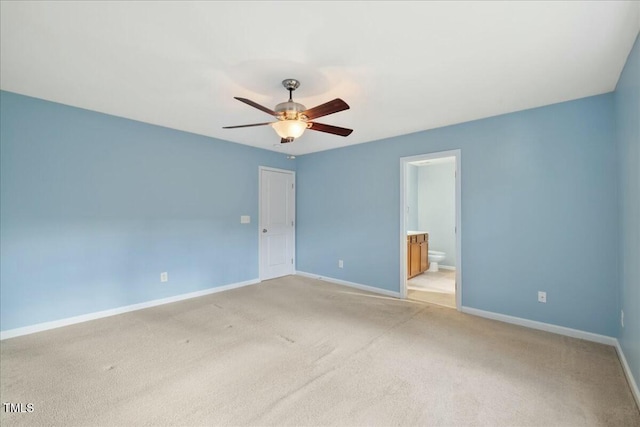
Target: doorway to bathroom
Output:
{"points": [[430, 231]]}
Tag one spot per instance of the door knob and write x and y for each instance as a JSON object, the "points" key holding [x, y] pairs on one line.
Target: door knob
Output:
{"points": [[264, 230]]}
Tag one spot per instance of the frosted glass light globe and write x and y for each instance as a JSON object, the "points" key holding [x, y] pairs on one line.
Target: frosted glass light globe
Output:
{"points": [[289, 128]]}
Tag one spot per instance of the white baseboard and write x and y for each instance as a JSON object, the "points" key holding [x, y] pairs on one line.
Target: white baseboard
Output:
{"points": [[446, 267], [350, 284], [561, 330], [10, 333], [627, 371]]}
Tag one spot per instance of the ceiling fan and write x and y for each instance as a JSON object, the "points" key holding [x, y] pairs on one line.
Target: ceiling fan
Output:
{"points": [[294, 118]]}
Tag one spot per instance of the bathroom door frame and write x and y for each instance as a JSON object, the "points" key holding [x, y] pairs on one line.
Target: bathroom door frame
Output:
{"points": [[404, 163]]}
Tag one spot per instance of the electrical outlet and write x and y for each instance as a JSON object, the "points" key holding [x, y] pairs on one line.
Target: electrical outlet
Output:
{"points": [[164, 277], [542, 296], [340, 264], [622, 318]]}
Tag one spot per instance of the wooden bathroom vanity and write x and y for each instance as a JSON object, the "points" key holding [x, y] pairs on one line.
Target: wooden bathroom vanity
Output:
{"points": [[417, 253]]}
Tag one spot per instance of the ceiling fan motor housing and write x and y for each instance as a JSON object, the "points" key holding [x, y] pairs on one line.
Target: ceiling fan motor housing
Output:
{"points": [[290, 111]]}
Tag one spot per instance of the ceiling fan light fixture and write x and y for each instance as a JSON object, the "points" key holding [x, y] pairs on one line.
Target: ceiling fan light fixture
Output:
{"points": [[289, 128]]}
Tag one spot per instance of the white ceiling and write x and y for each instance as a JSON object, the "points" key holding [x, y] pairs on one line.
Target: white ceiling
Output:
{"points": [[401, 66]]}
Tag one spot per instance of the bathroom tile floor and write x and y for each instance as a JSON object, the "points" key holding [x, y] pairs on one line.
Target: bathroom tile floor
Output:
{"points": [[434, 287]]}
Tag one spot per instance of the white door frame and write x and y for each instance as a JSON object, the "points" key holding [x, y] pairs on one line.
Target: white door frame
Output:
{"points": [[293, 174], [404, 162]]}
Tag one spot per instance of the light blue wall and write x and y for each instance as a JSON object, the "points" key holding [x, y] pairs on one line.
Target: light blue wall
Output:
{"points": [[627, 113], [95, 207], [539, 212], [412, 198], [437, 208]]}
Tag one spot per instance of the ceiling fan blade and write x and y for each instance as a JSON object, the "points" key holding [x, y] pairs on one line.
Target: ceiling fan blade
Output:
{"points": [[246, 126], [255, 105], [325, 109], [320, 127]]}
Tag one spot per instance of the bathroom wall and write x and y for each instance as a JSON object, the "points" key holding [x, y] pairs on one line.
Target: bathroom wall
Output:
{"points": [[94, 207], [437, 207], [412, 198]]}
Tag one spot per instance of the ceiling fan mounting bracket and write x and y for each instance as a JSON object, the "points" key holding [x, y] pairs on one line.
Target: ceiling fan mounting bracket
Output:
{"points": [[291, 84]]}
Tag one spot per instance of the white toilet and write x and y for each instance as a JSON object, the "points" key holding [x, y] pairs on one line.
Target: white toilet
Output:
{"points": [[434, 258]]}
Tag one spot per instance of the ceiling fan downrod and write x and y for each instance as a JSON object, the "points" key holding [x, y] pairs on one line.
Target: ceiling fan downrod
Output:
{"points": [[291, 85]]}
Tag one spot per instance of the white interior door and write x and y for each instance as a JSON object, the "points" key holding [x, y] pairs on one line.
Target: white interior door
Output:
{"points": [[277, 223]]}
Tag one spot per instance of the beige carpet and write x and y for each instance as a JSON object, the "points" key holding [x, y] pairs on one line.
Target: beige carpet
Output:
{"points": [[295, 351], [438, 298]]}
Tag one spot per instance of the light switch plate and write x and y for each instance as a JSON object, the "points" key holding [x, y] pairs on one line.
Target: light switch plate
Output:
{"points": [[245, 219]]}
